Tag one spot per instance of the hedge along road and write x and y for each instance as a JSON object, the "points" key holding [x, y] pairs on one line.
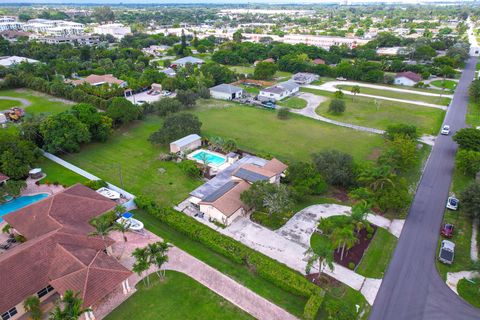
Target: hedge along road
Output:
{"points": [[412, 288]]}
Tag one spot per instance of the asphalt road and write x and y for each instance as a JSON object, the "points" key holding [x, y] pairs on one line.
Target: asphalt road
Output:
{"points": [[412, 288]]}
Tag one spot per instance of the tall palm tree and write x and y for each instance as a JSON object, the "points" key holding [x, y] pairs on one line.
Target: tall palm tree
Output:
{"points": [[355, 90], [141, 264], [157, 255], [69, 307], [323, 254], [102, 229], [123, 228], [377, 178], [344, 238], [32, 305], [119, 209]]}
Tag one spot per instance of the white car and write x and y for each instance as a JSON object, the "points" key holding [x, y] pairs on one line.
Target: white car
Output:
{"points": [[452, 203], [445, 130], [447, 252]]}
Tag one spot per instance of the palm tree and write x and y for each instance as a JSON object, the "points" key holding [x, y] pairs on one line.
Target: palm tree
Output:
{"points": [[229, 145], [205, 162], [344, 238], [102, 229], [141, 264], [119, 209], [377, 178], [32, 305], [359, 215], [157, 255], [123, 228], [323, 254], [69, 307], [216, 142], [355, 90]]}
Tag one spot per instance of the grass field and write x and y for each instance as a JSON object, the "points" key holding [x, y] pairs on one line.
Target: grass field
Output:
{"points": [[473, 114], [470, 291], [293, 103], [279, 75], [7, 104], [250, 89], [41, 103], [375, 260], [129, 154], [400, 95], [259, 131], [448, 84], [57, 173], [382, 113], [176, 297]]}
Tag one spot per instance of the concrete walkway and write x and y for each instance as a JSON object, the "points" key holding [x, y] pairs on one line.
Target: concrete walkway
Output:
{"points": [[25, 103], [180, 261], [473, 242], [331, 87], [454, 277]]}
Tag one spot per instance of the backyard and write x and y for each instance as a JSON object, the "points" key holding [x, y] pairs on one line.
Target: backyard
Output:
{"points": [[279, 75], [176, 297], [40, 102], [379, 114], [293, 103]]}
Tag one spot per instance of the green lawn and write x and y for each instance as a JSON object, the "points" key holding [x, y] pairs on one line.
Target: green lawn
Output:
{"points": [[470, 291], [260, 131], [377, 257], [240, 273], [242, 69], [448, 84], [41, 103], [382, 113], [293, 103], [7, 104], [473, 114], [400, 95], [463, 231], [250, 89], [176, 297], [57, 173], [129, 154]]}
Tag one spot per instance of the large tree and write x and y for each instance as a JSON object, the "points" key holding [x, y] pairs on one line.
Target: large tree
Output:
{"points": [[265, 70], [470, 200], [468, 161], [17, 155], [123, 111], [176, 126], [468, 138], [336, 167], [99, 125], [63, 133]]}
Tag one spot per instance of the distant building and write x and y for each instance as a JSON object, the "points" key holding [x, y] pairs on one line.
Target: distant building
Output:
{"points": [[11, 25], [271, 60], [169, 72], [98, 80], [85, 40], [407, 78], [155, 50], [318, 61], [305, 77], [279, 91], [226, 92], [14, 60], [54, 27], [117, 30], [393, 51], [13, 35], [183, 61], [188, 143]]}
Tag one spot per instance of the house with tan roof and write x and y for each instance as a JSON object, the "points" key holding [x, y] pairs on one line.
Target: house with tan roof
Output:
{"points": [[59, 254], [98, 80], [219, 198]]}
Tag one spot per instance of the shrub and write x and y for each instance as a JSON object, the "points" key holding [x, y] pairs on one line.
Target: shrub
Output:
{"points": [[283, 113], [189, 167], [96, 184], [351, 265], [336, 106], [313, 305], [409, 131]]}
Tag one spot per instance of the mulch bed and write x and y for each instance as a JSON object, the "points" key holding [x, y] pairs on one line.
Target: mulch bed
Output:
{"points": [[355, 253], [339, 194]]}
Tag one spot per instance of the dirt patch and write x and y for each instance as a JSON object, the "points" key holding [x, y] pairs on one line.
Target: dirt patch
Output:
{"points": [[339, 194], [375, 154], [257, 82], [355, 254]]}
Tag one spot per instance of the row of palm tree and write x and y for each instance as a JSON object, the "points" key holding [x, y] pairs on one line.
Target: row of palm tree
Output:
{"points": [[68, 307], [221, 144], [153, 254]]}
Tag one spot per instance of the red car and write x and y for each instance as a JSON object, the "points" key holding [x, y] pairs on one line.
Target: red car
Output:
{"points": [[447, 230]]}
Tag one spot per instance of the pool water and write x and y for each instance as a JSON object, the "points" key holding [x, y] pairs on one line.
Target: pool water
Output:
{"points": [[211, 158], [19, 203]]}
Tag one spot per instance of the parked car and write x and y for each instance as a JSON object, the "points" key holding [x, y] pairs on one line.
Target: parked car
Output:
{"points": [[141, 102], [166, 93], [447, 230], [341, 79], [269, 104], [447, 252], [452, 203], [150, 91], [445, 130]]}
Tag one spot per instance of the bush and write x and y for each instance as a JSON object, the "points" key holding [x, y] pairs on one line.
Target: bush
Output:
{"points": [[189, 167], [336, 106], [351, 265], [409, 131], [336, 167], [313, 305], [283, 113], [96, 184]]}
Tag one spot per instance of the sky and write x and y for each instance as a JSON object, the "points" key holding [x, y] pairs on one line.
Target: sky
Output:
{"points": [[217, 1]]}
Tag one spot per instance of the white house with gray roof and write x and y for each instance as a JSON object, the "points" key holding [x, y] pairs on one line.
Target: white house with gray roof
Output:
{"points": [[190, 142], [279, 91], [226, 92], [182, 62]]}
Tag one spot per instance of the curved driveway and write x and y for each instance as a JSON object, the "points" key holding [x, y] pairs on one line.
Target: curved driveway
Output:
{"points": [[412, 288]]}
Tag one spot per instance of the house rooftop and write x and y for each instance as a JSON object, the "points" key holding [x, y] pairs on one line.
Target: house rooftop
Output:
{"points": [[229, 201], [409, 75], [94, 79], [3, 177], [186, 140], [189, 59], [226, 88]]}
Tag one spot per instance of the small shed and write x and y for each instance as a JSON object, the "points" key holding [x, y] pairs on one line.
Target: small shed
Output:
{"points": [[190, 142], [35, 173], [156, 87], [226, 92]]}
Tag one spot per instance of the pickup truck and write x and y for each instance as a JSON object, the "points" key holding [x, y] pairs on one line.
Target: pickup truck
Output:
{"points": [[447, 252]]}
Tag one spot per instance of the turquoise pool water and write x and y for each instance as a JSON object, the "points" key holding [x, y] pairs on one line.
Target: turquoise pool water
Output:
{"points": [[19, 203], [211, 158]]}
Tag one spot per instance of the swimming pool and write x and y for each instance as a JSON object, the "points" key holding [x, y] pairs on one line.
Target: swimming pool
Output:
{"points": [[212, 158], [19, 203]]}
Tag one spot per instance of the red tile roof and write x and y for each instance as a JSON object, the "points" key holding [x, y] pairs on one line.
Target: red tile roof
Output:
{"points": [[409, 75], [3, 177], [94, 79], [319, 61]]}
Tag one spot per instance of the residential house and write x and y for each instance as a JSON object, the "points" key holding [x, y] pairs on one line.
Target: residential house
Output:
{"points": [[59, 254], [117, 30], [318, 61], [219, 198], [190, 142], [279, 91], [169, 72], [13, 35], [155, 51], [3, 178], [271, 60], [15, 60], [407, 78], [226, 92], [182, 62], [83, 40], [98, 80], [305, 77]]}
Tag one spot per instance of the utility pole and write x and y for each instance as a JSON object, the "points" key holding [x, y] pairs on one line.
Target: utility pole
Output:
{"points": [[120, 174]]}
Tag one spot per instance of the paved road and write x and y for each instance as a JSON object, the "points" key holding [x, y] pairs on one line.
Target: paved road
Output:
{"points": [[412, 288]]}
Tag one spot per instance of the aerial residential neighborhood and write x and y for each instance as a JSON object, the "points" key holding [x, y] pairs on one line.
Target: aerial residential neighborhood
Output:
{"points": [[240, 160]]}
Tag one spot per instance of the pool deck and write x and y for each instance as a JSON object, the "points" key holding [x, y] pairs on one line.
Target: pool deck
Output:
{"points": [[33, 189]]}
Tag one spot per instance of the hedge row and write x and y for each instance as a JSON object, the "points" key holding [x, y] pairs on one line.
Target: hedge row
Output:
{"points": [[267, 268], [313, 305]]}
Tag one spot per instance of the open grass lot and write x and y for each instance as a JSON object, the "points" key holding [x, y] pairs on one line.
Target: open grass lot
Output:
{"points": [[260, 131], [473, 114], [375, 260], [279, 75], [470, 291], [176, 297], [400, 95], [7, 104], [447, 84], [251, 89], [247, 277], [41, 103], [463, 231], [382, 113], [57, 173], [293, 103], [129, 154]]}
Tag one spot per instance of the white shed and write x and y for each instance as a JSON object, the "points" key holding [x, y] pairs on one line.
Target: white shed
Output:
{"points": [[226, 92], [190, 142]]}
